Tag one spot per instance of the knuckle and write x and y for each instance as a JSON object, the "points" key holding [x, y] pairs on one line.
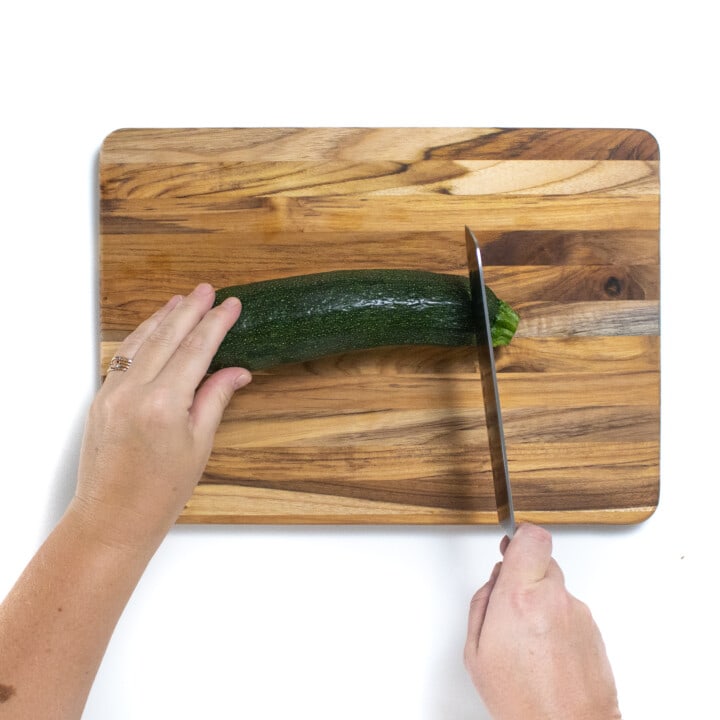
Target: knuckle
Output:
{"points": [[523, 599], [163, 335], [583, 610], [533, 608], [480, 596], [209, 331], [102, 407], [157, 402], [194, 342], [109, 400], [156, 408]]}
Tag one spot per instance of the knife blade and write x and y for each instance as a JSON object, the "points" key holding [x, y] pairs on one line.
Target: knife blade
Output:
{"points": [[491, 396]]}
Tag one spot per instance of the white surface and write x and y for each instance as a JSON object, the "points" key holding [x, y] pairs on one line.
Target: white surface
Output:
{"points": [[275, 622]]}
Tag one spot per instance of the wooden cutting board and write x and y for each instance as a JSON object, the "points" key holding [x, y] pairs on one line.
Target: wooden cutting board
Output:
{"points": [[569, 225]]}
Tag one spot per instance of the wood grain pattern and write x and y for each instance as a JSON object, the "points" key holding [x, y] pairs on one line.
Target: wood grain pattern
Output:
{"points": [[569, 225]]}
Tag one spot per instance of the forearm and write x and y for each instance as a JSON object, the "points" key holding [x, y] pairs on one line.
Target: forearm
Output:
{"points": [[58, 619], [149, 434]]}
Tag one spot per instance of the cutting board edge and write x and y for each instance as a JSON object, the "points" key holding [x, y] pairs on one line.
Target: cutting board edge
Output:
{"points": [[615, 516]]}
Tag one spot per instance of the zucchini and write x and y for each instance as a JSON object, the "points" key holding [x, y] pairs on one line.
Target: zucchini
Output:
{"points": [[305, 317]]}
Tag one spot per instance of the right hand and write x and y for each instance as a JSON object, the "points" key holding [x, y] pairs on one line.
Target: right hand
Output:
{"points": [[533, 650]]}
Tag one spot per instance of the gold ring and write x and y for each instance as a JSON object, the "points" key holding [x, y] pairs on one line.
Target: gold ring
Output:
{"points": [[120, 362]]}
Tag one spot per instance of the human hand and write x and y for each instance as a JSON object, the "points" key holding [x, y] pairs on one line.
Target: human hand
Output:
{"points": [[534, 651], [150, 429]]}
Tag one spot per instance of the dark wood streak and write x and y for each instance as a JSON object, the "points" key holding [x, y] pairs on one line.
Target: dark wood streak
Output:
{"points": [[575, 283], [553, 144], [575, 247]]}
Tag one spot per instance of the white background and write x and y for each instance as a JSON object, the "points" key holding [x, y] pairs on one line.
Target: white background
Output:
{"points": [[271, 622]]}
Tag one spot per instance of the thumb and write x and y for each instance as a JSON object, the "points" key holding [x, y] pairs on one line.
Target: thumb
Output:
{"points": [[213, 397], [528, 556]]}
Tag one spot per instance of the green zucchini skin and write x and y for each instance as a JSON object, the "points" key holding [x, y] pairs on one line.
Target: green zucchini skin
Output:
{"points": [[305, 317]]}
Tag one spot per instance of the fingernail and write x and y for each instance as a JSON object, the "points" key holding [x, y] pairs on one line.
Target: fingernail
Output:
{"points": [[231, 302], [241, 379], [203, 289]]}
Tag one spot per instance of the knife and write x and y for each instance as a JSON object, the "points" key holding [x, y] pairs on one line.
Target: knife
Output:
{"points": [[488, 375]]}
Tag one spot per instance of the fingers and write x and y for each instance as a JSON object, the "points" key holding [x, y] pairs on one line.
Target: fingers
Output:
{"points": [[214, 396], [179, 341], [134, 341], [553, 570], [528, 556], [189, 363], [166, 337], [478, 610]]}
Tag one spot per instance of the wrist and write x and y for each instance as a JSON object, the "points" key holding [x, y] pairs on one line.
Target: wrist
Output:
{"points": [[116, 528]]}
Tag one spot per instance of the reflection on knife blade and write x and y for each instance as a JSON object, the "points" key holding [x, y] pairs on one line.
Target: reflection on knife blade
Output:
{"points": [[491, 397]]}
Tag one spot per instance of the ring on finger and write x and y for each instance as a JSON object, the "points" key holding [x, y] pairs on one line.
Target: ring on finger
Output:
{"points": [[120, 362]]}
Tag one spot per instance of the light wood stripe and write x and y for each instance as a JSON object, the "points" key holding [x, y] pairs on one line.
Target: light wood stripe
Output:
{"points": [[212, 505], [358, 144], [227, 181]]}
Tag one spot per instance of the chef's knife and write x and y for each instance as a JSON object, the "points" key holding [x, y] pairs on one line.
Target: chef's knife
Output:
{"points": [[491, 397]]}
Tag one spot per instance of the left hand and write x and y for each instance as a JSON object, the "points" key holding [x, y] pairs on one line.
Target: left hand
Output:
{"points": [[150, 429]]}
